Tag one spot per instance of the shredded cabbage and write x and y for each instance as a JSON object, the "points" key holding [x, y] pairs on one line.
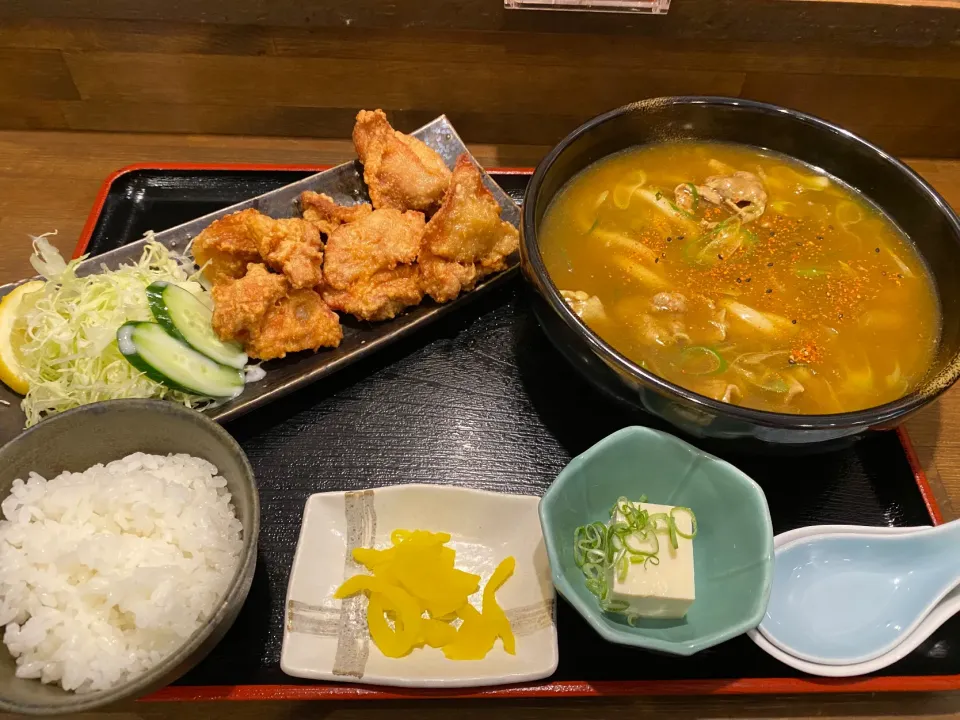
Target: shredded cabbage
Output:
{"points": [[70, 355]]}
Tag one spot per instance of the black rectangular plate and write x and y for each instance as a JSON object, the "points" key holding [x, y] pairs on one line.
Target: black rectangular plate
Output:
{"points": [[480, 398]]}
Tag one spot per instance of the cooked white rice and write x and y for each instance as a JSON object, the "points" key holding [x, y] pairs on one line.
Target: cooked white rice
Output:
{"points": [[106, 572]]}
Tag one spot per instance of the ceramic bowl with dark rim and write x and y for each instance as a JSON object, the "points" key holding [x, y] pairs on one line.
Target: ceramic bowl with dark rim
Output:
{"points": [[910, 202], [78, 439]]}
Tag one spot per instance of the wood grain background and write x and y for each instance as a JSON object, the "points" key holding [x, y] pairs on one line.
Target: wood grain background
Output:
{"points": [[290, 68]]}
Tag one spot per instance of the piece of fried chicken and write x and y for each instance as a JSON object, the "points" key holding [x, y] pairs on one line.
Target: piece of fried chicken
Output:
{"points": [[225, 247], [466, 240], [291, 246], [401, 172], [323, 211], [299, 321], [370, 269], [261, 311], [240, 305]]}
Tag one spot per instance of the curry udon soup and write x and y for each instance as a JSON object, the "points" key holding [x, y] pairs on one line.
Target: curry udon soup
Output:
{"points": [[744, 276]]}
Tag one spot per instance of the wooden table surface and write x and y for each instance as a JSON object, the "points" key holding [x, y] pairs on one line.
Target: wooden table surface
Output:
{"points": [[48, 181]]}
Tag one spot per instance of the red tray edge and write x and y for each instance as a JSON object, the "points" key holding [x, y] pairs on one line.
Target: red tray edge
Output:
{"points": [[573, 688]]}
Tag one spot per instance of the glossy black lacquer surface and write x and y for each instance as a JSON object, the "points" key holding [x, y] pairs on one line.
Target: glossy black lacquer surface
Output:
{"points": [[482, 398], [913, 205]]}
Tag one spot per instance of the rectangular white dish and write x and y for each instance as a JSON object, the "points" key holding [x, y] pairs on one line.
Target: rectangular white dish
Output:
{"points": [[327, 639]]}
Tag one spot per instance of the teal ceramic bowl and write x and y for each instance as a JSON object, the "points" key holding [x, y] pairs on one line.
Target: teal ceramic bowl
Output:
{"points": [[732, 551]]}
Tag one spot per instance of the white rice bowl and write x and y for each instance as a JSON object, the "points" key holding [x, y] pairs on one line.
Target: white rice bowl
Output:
{"points": [[105, 573]]}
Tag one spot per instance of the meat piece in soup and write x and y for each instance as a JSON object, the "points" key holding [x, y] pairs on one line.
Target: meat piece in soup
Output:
{"points": [[745, 276]]}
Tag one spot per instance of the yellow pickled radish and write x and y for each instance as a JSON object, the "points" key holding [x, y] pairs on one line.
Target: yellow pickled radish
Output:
{"points": [[383, 635], [370, 558], [437, 633], [407, 612], [417, 576], [475, 637], [492, 612], [419, 537]]}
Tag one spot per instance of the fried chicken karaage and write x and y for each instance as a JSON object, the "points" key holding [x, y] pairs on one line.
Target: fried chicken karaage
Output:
{"points": [[326, 215], [239, 305], [261, 311], [401, 172], [277, 284], [291, 246], [369, 269], [466, 240], [299, 321], [225, 247]]}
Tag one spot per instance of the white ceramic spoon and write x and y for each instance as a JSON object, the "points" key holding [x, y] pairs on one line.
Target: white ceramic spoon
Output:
{"points": [[841, 599], [940, 613]]}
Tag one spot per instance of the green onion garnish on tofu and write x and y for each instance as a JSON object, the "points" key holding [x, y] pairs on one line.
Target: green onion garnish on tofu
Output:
{"points": [[633, 536]]}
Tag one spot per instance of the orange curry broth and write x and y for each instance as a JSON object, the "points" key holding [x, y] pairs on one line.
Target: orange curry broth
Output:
{"points": [[820, 305]]}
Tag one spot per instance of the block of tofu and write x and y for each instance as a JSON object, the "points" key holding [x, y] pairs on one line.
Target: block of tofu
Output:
{"points": [[658, 591]]}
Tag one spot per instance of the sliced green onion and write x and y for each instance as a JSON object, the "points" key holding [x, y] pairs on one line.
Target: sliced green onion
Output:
{"points": [[657, 517], [718, 244], [598, 588], [679, 211], [645, 558], [696, 195], [701, 360], [630, 538], [587, 538], [592, 571], [614, 605], [693, 522], [645, 536], [595, 556], [775, 384]]}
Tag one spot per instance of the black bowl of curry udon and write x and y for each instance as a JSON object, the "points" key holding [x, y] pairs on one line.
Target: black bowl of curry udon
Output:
{"points": [[744, 271]]}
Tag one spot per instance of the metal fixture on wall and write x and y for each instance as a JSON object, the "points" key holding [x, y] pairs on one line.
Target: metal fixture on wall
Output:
{"points": [[654, 7]]}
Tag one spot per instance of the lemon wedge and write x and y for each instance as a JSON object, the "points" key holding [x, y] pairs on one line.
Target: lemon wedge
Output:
{"points": [[11, 373]]}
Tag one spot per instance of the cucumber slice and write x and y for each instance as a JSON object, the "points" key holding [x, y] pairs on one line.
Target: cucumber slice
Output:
{"points": [[173, 363], [185, 317]]}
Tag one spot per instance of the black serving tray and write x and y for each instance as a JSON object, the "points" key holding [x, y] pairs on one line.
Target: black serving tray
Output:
{"points": [[480, 398]]}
